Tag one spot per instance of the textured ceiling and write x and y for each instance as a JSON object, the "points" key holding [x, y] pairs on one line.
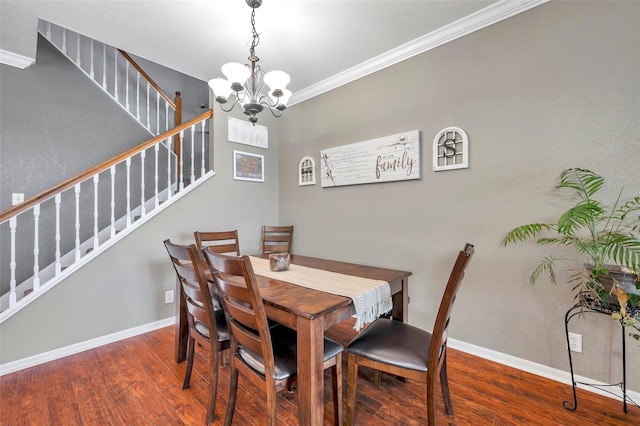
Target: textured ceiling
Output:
{"points": [[313, 40]]}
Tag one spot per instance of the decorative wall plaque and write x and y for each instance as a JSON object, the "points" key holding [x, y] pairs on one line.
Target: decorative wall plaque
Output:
{"points": [[307, 171], [243, 132], [387, 159], [450, 149], [247, 166]]}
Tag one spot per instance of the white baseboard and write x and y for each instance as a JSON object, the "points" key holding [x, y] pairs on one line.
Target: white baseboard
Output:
{"points": [[491, 355], [540, 370], [32, 361]]}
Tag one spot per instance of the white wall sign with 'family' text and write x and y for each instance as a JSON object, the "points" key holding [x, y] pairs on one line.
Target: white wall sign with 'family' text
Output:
{"points": [[387, 159]]}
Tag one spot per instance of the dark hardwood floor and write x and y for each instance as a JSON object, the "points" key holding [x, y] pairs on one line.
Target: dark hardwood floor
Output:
{"points": [[137, 382]]}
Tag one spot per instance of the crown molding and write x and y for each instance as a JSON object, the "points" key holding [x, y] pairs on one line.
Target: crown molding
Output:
{"points": [[15, 60], [483, 18]]}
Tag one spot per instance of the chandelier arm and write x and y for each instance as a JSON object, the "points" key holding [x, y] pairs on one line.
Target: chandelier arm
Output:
{"points": [[231, 107], [275, 112]]}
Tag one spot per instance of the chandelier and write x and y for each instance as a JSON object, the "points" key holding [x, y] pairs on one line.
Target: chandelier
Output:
{"points": [[246, 82]]}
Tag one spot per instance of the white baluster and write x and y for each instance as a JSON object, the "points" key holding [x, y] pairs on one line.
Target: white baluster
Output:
{"points": [[166, 115], [138, 96], [58, 199], [181, 165], [104, 66], [36, 247], [202, 169], [127, 85], [78, 58], [115, 72], [13, 225], [96, 240], [64, 41], [49, 31], [128, 192], [193, 155], [156, 148], [157, 112], [113, 201], [92, 65], [148, 123], [142, 185], [77, 192], [169, 189]]}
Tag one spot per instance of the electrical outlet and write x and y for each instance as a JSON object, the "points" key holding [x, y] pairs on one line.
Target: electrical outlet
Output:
{"points": [[17, 198], [168, 296], [575, 342]]}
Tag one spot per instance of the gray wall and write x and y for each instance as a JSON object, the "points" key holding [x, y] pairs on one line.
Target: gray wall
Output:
{"points": [[124, 287], [555, 87]]}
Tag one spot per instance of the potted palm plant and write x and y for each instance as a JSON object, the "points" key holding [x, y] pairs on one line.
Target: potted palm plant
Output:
{"points": [[606, 242]]}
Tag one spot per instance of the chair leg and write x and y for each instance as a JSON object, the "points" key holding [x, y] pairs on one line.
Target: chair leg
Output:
{"points": [[352, 378], [213, 387], [272, 403], [444, 384], [233, 392], [336, 379], [191, 345], [431, 399]]}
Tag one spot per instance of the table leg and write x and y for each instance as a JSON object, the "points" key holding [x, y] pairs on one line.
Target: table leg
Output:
{"points": [[310, 371], [182, 330], [401, 302]]}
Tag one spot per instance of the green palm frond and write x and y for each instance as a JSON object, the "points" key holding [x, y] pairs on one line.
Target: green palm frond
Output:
{"points": [[580, 216], [546, 265], [525, 232], [584, 181]]}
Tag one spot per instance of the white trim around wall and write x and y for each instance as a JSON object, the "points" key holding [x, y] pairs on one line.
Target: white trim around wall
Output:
{"points": [[15, 60], [500, 358], [540, 370], [490, 15], [32, 361]]}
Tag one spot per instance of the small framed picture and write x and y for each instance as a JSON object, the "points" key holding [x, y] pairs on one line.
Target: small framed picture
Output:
{"points": [[247, 166]]}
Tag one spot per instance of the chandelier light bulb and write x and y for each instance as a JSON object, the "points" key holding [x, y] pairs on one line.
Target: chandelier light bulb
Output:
{"points": [[281, 101], [237, 74], [221, 89], [277, 80]]}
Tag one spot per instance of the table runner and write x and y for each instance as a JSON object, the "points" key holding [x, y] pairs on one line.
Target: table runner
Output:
{"points": [[371, 298]]}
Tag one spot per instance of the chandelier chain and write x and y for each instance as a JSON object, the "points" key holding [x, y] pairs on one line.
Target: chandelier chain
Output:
{"points": [[256, 36]]}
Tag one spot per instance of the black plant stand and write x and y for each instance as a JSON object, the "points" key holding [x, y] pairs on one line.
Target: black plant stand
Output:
{"points": [[589, 305]]}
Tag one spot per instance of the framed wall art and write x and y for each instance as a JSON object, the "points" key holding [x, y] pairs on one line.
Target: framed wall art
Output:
{"points": [[450, 149], [386, 159], [247, 166]]}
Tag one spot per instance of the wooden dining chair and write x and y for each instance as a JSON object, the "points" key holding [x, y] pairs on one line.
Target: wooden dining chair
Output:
{"points": [[403, 350], [207, 326], [266, 355], [277, 239]]}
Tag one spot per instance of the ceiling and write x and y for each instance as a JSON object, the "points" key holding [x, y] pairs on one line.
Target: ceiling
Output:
{"points": [[320, 43]]}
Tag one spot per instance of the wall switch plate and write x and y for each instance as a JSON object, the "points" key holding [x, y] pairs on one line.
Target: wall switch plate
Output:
{"points": [[575, 342], [17, 198], [168, 296]]}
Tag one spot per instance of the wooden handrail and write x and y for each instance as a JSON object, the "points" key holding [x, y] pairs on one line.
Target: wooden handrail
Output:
{"points": [[45, 195], [146, 77]]}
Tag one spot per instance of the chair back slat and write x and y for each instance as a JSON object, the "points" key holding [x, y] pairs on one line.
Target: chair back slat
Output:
{"points": [[277, 239], [224, 242], [237, 286]]}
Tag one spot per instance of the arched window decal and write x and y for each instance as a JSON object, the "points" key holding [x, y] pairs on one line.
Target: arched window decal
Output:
{"points": [[307, 171]]}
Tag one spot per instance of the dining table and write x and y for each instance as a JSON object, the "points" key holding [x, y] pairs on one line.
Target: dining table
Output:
{"points": [[310, 312]]}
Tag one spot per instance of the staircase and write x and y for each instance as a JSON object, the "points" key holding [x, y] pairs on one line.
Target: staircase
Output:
{"points": [[119, 76], [66, 226]]}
